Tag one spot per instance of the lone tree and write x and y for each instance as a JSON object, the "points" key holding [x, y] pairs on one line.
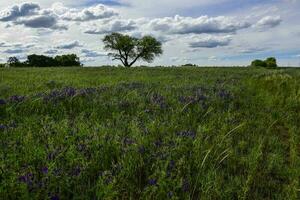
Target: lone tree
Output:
{"points": [[129, 49]]}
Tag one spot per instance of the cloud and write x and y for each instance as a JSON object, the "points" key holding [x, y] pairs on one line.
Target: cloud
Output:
{"points": [[211, 41], [41, 21], [110, 26], [16, 11], [69, 45], [88, 14], [31, 15], [203, 24], [268, 22], [51, 51], [252, 50], [92, 54], [13, 51]]}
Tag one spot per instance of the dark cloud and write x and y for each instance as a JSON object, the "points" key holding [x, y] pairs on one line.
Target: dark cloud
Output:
{"points": [[13, 51], [211, 42], [16, 11], [70, 45], [51, 51], [41, 21], [91, 54]]}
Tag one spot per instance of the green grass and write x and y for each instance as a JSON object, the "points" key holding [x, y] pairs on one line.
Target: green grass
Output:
{"points": [[150, 133]]}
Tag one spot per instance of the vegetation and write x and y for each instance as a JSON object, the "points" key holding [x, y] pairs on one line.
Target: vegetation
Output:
{"points": [[268, 63], [143, 133], [128, 49], [70, 60]]}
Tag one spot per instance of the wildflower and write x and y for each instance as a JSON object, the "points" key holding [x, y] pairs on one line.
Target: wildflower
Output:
{"points": [[190, 134], [141, 149], [2, 127], [69, 92], [152, 181], [185, 185], [2, 102], [16, 99], [54, 197], [45, 170]]}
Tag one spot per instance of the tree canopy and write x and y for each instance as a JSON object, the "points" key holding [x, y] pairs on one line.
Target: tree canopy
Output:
{"points": [[268, 63], [129, 49], [45, 61]]}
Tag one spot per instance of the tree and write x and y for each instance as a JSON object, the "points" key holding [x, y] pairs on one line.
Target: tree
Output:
{"points": [[14, 62], [258, 63], [128, 49], [67, 60], [271, 62], [268, 63], [40, 61]]}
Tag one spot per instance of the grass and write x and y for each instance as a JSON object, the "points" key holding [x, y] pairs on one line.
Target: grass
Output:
{"points": [[149, 133]]}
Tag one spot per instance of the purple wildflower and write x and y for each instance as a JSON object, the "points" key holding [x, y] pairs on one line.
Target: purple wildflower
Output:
{"points": [[2, 102], [128, 141], [45, 170], [141, 149], [69, 91], [16, 99], [189, 134], [158, 100], [152, 181], [2, 127], [185, 185], [223, 94], [76, 171], [54, 197]]}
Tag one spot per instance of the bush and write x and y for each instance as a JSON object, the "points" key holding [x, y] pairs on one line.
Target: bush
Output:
{"points": [[268, 63], [258, 63], [271, 62]]}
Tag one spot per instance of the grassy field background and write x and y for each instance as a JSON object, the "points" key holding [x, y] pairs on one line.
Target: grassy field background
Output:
{"points": [[149, 133]]}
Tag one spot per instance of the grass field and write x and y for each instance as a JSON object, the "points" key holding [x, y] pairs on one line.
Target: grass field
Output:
{"points": [[149, 133]]}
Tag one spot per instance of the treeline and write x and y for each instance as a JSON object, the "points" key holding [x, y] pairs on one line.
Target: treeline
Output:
{"points": [[68, 60]]}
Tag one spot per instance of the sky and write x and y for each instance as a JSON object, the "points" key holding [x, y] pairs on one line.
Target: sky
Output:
{"points": [[202, 32]]}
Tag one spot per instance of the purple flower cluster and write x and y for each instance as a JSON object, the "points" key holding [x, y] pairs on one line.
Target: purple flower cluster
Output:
{"points": [[187, 134], [68, 92], [3, 127], [27, 178], [2, 102], [224, 94], [185, 186], [158, 100], [16, 99], [152, 182]]}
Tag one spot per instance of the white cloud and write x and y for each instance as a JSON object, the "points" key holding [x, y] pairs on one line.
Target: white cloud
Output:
{"points": [[113, 25], [88, 14], [69, 45], [199, 25], [268, 22], [210, 41]]}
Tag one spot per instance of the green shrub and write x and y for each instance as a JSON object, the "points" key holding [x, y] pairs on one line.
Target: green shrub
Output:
{"points": [[258, 63], [271, 62]]}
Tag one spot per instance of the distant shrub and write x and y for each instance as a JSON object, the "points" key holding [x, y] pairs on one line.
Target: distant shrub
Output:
{"points": [[189, 65], [271, 62], [258, 63], [268, 63]]}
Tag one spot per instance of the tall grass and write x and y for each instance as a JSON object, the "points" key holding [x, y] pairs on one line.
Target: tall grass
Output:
{"points": [[175, 133]]}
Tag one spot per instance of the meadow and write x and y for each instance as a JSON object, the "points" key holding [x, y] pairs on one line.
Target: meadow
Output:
{"points": [[149, 133]]}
